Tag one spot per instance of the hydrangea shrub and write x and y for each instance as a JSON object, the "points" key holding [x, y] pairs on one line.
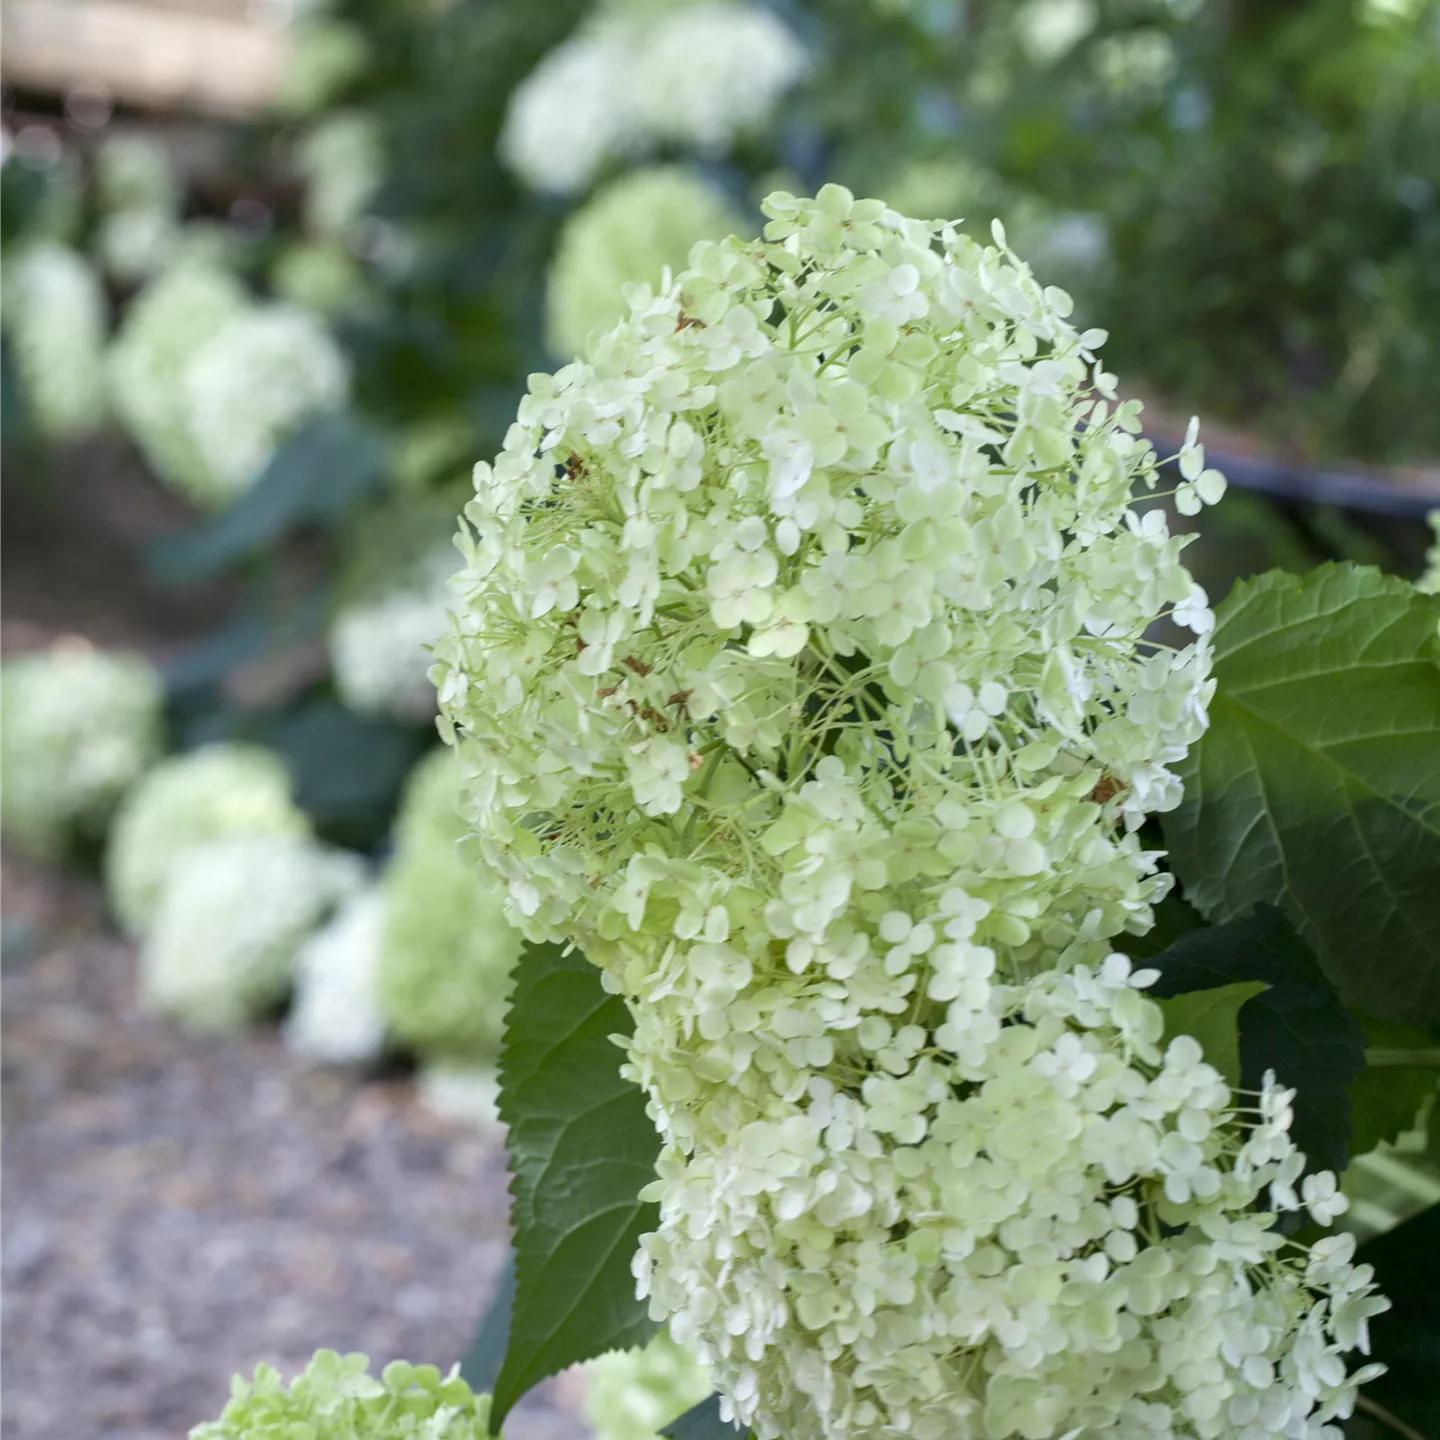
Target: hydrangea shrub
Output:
{"points": [[801, 678], [447, 948], [232, 917], [336, 1398], [334, 1019], [78, 727], [216, 792]]}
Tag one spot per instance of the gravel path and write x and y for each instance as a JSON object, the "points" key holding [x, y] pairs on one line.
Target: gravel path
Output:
{"points": [[177, 1208]]}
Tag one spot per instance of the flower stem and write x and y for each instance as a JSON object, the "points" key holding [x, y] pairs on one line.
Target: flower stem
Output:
{"points": [[1376, 1411], [1392, 1058]]}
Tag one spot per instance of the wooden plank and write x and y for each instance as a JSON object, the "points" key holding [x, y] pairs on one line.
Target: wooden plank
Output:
{"points": [[213, 61]]}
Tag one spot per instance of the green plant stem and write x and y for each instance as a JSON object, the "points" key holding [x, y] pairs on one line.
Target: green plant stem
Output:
{"points": [[1376, 1411], [1388, 1058]]}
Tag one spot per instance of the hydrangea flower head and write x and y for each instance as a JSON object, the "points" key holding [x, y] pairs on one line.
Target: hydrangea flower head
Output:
{"points": [[215, 792], [264, 372], [336, 1398], [164, 328], [334, 1019], [800, 677], [632, 230], [1429, 581], [631, 1394], [80, 727], [55, 317], [447, 949], [232, 916]]}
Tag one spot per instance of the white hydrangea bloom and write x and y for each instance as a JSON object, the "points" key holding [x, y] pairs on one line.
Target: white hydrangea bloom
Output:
{"points": [[380, 646], [632, 230], [168, 323], [55, 317], [631, 1394], [232, 916], [341, 163], [138, 189], [209, 794], [466, 1094], [639, 77], [1429, 582], [78, 727], [800, 679], [711, 70], [258, 378], [334, 1019], [572, 113]]}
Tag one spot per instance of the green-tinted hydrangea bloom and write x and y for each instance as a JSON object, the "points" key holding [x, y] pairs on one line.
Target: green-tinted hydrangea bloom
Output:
{"points": [[336, 1398], [1429, 582], [80, 726], [632, 1393], [209, 794], [164, 329], [55, 320], [448, 950], [232, 918], [631, 231]]}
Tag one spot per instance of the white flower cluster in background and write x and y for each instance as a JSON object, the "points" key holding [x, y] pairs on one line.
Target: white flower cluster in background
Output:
{"points": [[138, 190], [341, 162], [635, 78], [254, 382], [380, 644], [334, 1020], [631, 1394], [447, 950], [164, 328], [78, 727], [1429, 582], [632, 230], [218, 792], [800, 677], [55, 319], [464, 1094], [232, 918]]}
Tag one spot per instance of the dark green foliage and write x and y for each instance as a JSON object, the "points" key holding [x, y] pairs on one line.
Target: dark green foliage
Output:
{"points": [[581, 1147], [1296, 1026], [703, 1422], [1317, 786]]}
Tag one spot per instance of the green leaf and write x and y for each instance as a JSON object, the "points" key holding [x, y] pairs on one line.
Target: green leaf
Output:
{"points": [[481, 1362], [1298, 1028], [703, 1422], [1213, 1018], [317, 476], [1387, 1099], [1407, 1337], [581, 1148], [1317, 786]]}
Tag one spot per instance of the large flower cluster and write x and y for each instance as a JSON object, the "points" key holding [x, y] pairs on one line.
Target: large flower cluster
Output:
{"points": [[336, 1398], [232, 917], [801, 678], [447, 950], [214, 793], [55, 319], [638, 77], [631, 230], [262, 373], [164, 328], [80, 727], [632, 1394]]}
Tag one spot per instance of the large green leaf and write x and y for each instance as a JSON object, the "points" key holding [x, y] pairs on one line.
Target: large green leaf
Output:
{"points": [[1213, 1018], [1317, 786], [1407, 1338], [1388, 1098], [1297, 1027], [581, 1148]]}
